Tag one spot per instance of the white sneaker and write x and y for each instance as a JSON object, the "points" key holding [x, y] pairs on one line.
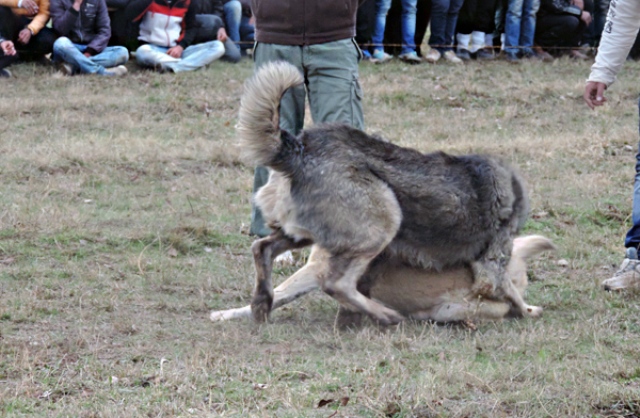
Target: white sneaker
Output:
{"points": [[432, 56], [452, 57], [628, 275], [120, 70]]}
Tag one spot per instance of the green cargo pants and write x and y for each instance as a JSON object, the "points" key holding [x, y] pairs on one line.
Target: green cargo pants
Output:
{"points": [[332, 85]]}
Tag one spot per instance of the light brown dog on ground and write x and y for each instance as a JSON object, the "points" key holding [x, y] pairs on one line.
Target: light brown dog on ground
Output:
{"points": [[445, 296]]}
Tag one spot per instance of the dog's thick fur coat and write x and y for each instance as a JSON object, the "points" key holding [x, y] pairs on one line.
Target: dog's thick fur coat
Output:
{"points": [[423, 294], [357, 197]]}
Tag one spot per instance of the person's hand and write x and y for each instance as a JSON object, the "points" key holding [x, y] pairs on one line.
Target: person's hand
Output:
{"points": [[77, 4], [176, 51], [8, 48], [222, 35], [86, 54], [594, 94], [30, 6], [586, 17], [252, 20], [24, 36]]}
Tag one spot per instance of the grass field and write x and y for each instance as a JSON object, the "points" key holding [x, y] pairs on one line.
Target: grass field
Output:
{"points": [[123, 221]]}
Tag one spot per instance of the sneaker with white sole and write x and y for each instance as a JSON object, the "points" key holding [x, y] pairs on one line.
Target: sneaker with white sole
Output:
{"points": [[410, 57], [432, 56], [118, 71], [452, 57], [4, 73], [628, 275], [379, 56]]}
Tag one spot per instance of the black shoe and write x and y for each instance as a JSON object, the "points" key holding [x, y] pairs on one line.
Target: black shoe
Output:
{"points": [[485, 54], [4, 73], [463, 54]]}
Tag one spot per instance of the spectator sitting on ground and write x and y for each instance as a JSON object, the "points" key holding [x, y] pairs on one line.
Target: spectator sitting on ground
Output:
{"points": [[7, 56], [84, 29], [168, 31], [23, 23], [211, 27], [239, 22], [561, 25]]}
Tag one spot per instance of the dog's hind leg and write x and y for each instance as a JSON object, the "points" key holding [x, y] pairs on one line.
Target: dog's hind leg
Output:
{"points": [[264, 252], [491, 281], [299, 284], [340, 282]]}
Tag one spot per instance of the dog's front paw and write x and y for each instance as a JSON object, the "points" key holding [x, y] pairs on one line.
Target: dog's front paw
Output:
{"points": [[388, 316], [261, 306]]}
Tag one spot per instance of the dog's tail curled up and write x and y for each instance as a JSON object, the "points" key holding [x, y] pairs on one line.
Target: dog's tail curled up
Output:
{"points": [[258, 123]]}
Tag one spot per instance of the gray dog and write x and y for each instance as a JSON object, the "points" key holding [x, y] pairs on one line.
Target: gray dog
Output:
{"points": [[358, 197]]}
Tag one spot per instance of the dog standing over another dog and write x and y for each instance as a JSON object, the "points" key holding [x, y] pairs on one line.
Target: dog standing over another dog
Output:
{"points": [[357, 197]]}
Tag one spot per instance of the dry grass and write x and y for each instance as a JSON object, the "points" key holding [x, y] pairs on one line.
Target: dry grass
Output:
{"points": [[123, 223]]}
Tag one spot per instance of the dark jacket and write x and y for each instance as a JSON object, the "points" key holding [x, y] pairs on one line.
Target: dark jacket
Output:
{"points": [[211, 7], [558, 7], [165, 23], [304, 22], [90, 26]]}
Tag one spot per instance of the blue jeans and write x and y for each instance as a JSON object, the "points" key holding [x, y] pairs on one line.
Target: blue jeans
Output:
{"points": [[193, 57], [444, 17], [633, 235], [67, 51], [238, 27], [520, 26], [408, 25], [382, 9]]}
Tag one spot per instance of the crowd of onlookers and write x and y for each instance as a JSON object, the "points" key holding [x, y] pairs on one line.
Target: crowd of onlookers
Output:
{"points": [[99, 36]]}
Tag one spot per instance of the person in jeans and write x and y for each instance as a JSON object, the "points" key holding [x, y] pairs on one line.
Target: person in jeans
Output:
{"points": [[520, 29], [8, 55], [168, 31], [239, 22], [317, 36], [377, 37], [617, 39], [211, 27], [84, 29], [24, 23], [444, 17]]}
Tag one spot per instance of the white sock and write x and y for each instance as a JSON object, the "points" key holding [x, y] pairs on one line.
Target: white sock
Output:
{"points": [[463, 41], [477, 41]]}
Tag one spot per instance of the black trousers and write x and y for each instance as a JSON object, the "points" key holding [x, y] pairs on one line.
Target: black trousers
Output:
{"points": [[39, 45], [477, 15]]}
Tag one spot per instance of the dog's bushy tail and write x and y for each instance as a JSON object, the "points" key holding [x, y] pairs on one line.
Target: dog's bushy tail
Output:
{"points": [[529, 246], [258, 122]]}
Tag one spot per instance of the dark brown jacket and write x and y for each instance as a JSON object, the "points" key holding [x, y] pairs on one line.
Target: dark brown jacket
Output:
{"points": [[304, 22]]}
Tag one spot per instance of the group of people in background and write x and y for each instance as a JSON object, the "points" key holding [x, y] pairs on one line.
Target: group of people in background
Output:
{"points": [[461, 30], [96, 36]]}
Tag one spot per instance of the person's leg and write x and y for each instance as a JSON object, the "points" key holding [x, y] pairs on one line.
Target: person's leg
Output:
{"points": [[556, 32], [111, 56], [39, 45], [232, 19], [451, 23], [382, 9], [408, 26], [66, 51], [600, 11], [632, 240], [197, 56], [334, 88], [528, 28], [439, 10], [5, 61], [153, 56], [247, 34], [208, 26], [291, 116], [513, 22]]}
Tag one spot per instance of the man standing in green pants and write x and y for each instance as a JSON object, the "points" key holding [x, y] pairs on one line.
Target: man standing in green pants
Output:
{"points": [[317, 36]]}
